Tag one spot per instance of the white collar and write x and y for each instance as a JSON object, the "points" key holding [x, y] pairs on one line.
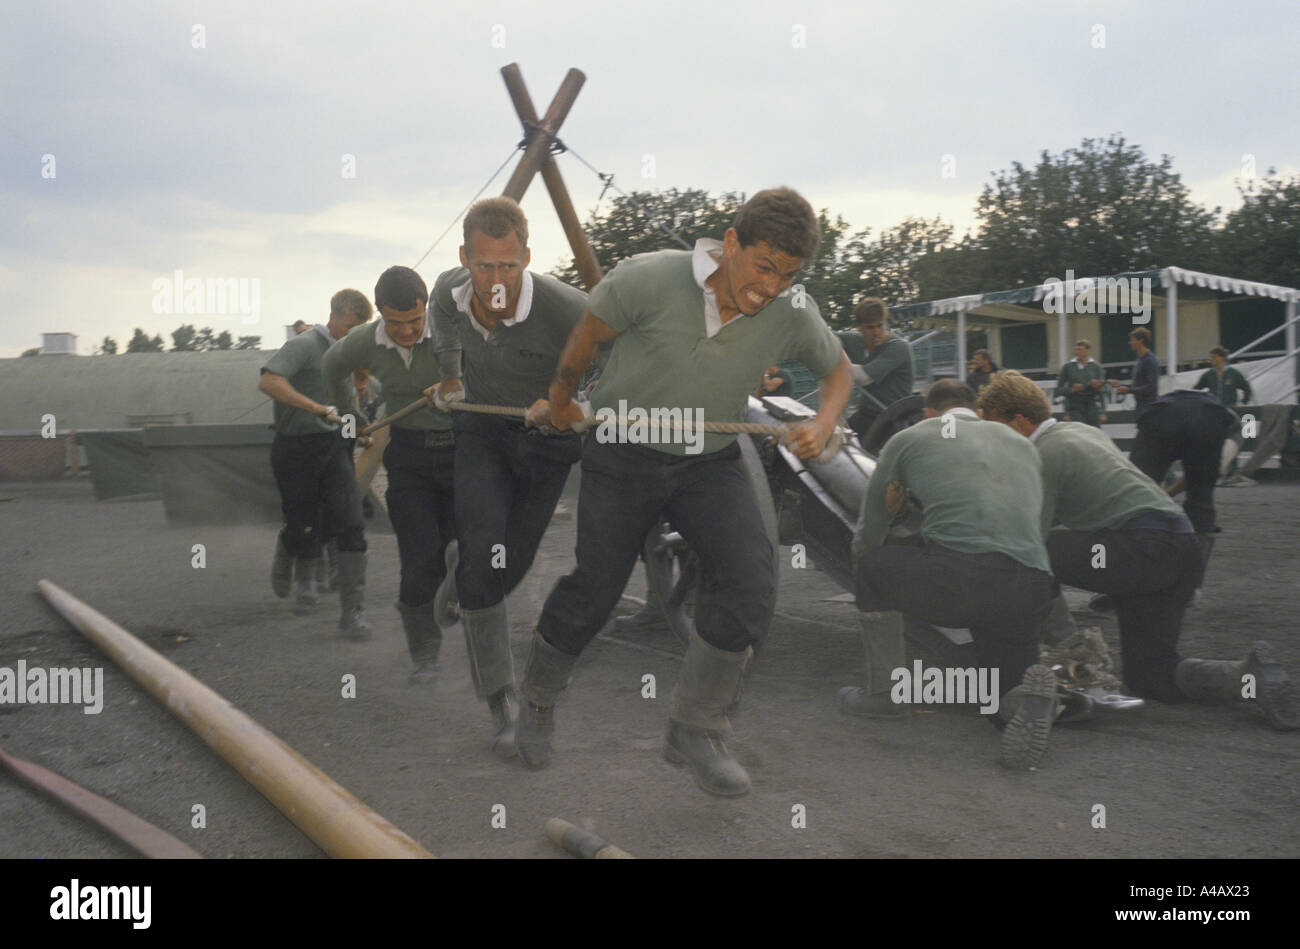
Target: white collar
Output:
{"points": [[1043, 426], [383, 339], [324, 331], [705, 261], [960, 410], [465, 292]]}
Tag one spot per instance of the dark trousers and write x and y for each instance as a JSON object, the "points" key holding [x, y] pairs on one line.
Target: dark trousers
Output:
{"points": [[625, 491], [508, 481], [1191, 432], [318, 493], [1087, 411], [421, 469], [865, 416], [1150, 574], [1002, 601]]}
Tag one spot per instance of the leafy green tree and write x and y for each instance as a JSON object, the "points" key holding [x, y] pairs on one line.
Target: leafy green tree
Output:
{"points": [[108, 347], [141, 343], [248, 342], [184, 339], [1101, 208], [34, 351], [1261, 239], [223, 340]]}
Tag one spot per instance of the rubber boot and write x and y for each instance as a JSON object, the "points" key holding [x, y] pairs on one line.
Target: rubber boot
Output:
{"points": [[305, 578], [698, 725], [281, 570], [546, 676], [330, 579], [423, 639], [882, 640], [1217, 681], [446, 602], [491, 666], [1024, 740], [352, 588], [1059, 625]]}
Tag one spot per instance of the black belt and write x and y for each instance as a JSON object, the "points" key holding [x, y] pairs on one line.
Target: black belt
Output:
{"points": [[425, 438], [1159, 521]]}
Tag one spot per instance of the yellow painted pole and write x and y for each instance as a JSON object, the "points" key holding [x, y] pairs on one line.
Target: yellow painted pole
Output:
{"points": [[322, 809]]}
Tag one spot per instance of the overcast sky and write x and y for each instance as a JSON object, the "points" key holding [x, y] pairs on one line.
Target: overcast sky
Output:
{"points": [[210, 137]]}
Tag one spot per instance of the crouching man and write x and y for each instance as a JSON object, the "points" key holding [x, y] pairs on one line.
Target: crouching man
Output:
{"points": [[1122, 535], [980, 563]]}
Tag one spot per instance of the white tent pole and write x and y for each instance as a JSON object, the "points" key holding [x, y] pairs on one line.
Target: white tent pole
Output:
{"points": [[1171, 328], [1290, 332], [961, 344], [1060, 341]]}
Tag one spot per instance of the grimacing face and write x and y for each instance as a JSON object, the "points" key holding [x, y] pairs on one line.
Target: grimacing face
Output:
{"points": [[496, 268], [404, 327], [755, 275]]}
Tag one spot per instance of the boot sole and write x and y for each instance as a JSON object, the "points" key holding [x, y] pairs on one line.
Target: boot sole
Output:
{"points": [[1024, 741], [1274, 689], [679, 760]]}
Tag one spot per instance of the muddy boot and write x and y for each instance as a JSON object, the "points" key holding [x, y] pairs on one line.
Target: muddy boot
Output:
{"points": [[352, 588], [1025, 738], [423, 639], [1059, 625], [305, 580], [1217, 681], [491, 666], [546, 676], [698, 725], [882, 640], [281, 570], [446, 603]]}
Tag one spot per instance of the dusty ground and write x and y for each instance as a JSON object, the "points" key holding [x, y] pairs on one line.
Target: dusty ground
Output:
{"points": [[1186, 781]]}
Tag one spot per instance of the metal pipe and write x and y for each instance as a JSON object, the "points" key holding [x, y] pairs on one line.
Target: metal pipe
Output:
{"points": [[322, 809], [1255, 342], [582, 843]]}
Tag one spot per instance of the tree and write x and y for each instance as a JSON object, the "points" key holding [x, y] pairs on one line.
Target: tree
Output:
{"points": [[108, 347], [1261, 239], [248, 342], [184, 339], [34, 351], [141, 343], [223, 340], [1101, 208]]}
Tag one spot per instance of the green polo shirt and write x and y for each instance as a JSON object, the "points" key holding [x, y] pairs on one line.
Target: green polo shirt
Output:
{"points": [[1225, 387], [299, 361], [890, 366], [980, 490], [402, 384], [664, 357], [1073, 374], [1088, 485], [514, 364]]}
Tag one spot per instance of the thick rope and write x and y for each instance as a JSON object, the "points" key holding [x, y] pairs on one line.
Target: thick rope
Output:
{"points": [[716, 428]]}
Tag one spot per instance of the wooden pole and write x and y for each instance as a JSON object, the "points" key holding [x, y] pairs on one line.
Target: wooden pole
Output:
{"points": [[582, 843], [584, 258], [539, 148], [336, 821]]}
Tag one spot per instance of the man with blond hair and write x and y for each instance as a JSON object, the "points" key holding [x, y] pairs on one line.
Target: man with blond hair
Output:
{"points": [[1119, 534], [499, 330]]}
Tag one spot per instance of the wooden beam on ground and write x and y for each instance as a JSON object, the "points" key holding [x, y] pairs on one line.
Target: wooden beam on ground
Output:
{"points": [[337, 822]]}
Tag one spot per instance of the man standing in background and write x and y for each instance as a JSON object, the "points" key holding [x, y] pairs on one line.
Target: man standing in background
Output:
{"points": [[879, 361], [1082, 383]]}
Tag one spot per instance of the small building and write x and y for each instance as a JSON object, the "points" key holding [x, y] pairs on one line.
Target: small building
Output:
{"points": [[1033, 329], [58, 344]]}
